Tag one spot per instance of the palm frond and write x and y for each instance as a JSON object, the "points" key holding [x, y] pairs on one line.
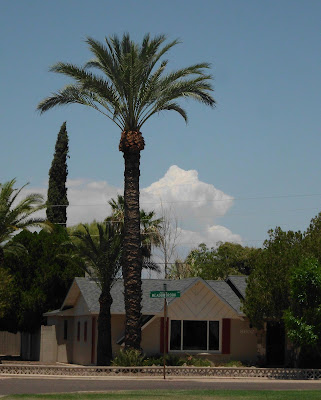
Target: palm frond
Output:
{"points": [[100, 255], [131, 85], [16, 215]]}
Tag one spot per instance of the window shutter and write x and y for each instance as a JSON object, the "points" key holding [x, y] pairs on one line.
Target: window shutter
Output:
{"points": [[161, 336], [226, 336]]}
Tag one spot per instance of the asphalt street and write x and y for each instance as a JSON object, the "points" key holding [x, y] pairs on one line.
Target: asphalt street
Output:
{"points": [[33, 385]]}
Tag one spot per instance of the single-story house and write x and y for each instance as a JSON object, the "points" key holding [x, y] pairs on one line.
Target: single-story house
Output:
{"points": [[206, 320]]}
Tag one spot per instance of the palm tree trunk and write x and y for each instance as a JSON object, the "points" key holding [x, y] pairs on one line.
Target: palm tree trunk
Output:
{"points": [[131, 144], [104, 345], [132, 257]]}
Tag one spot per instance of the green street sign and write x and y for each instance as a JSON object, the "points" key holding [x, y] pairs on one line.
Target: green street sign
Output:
{"points": [[161, 294]]}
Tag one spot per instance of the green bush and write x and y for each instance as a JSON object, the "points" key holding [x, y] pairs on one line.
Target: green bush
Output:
{"points": [[232, 363], [197, 361], [158, 360], [133, 358], [128, 358], [155, 360], [174, 360]]}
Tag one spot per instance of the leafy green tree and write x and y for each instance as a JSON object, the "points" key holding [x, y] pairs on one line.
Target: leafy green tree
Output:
{"points": [[303, 317], [6, 291], [179, 270], [312, 239], [39, 280], [218, 263], [233, 256], [268, 292], [130, 87], [57, 200], [100, 255], [16, 214]]}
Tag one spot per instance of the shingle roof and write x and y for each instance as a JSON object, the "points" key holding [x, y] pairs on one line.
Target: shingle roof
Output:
{"points": [[239, 282], [91, 292], [227, 294]]}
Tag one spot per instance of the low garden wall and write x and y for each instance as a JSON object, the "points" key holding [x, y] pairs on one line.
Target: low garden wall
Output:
{"points": [[215, 372]]}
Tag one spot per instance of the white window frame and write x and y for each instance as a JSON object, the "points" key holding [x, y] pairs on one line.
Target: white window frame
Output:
{"points": [[208, 337]]}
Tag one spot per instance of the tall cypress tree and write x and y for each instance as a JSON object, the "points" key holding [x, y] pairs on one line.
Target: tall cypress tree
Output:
{"points": [[57, 201]]}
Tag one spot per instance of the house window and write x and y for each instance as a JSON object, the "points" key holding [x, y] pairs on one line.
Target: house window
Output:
{"points": [[85, 331], [194, 335], [78, 331], [65, 329]]}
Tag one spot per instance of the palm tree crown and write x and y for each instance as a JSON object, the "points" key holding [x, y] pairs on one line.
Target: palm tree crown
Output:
{"points": [[17, 215], [100, 253], [131, 85]]}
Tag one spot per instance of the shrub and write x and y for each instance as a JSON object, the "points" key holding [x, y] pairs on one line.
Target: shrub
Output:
{"points": [[133, 358], [232, 363], [158, 360], [128, 358], [155, 360], [197, 361]]}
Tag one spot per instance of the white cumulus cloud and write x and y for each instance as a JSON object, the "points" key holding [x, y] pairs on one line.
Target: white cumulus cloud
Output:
{"points": [[196, 205]]}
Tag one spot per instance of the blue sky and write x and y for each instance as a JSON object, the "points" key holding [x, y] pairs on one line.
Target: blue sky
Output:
{"points": [[261, 145]]}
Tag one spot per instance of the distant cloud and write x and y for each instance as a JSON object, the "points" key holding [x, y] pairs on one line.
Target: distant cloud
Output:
{"points": [[88, 200], [196, 204]]}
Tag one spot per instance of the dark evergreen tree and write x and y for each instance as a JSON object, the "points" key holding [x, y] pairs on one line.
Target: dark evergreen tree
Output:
{"points": [[57, 201]]}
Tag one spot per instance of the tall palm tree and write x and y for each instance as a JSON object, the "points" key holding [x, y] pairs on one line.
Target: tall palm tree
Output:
{"points": [[130, 87], [16, 215], [100, 255]]}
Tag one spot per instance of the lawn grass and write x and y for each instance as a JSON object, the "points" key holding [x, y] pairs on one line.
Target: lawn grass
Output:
{"points": [[180, 394]]}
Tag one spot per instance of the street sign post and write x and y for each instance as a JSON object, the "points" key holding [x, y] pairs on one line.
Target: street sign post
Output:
{"points": [[164, 294]]}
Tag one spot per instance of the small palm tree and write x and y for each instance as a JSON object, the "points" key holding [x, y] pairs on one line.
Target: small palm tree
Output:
{"points": [[16, 215], [149, 225], [150, 228], [100, 258], [130, 87]]}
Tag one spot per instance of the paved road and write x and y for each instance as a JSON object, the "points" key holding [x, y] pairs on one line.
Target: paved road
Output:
{"points": [[19, 385]]}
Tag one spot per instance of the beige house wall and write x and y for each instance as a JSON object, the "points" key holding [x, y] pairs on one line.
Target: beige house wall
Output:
{"points": [[64, 346], [243, 341], [117, 331], [151, 337], [82, 347], [80, 307], [48, 344], [200, 303]]}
